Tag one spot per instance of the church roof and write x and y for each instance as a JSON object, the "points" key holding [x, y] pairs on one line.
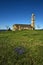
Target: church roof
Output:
{"points": [[29, 25]]}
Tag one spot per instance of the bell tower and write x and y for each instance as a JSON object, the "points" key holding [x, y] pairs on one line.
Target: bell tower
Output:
{"points": [[33, 21]]}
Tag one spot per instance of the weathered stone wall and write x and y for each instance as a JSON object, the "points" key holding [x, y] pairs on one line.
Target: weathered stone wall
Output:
{"points": [[21, 27]]}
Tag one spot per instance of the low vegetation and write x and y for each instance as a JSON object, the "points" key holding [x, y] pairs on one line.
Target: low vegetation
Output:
{"points": [[21, 47]]}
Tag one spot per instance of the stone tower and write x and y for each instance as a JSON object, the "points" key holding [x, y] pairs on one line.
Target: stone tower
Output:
{"points": [[33, 21]]}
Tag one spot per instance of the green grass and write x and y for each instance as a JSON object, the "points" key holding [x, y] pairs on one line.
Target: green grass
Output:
{"points": [[29, 43]]}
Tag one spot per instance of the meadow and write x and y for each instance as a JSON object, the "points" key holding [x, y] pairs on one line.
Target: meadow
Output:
{"points": [[21, 47]]}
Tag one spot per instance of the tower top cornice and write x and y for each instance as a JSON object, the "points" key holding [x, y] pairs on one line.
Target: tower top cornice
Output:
{"points": [[33, 14]]}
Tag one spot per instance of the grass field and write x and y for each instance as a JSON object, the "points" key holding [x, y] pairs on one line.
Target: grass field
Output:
{"points": [[21, 47]]}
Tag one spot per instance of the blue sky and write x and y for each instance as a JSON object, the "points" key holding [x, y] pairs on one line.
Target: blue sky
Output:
{"points": [[20, 11]]}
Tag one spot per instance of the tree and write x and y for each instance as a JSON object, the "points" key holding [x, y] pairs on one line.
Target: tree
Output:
{"points": [[8, 28]]}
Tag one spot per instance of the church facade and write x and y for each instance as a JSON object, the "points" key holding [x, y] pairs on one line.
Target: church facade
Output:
{"points": [[25, 26]]}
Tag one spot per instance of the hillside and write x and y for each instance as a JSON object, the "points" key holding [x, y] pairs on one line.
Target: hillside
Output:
{"points": [[21, 47]]}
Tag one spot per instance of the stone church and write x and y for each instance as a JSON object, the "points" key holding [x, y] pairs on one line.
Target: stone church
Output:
{"points": [[25, 26]]}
